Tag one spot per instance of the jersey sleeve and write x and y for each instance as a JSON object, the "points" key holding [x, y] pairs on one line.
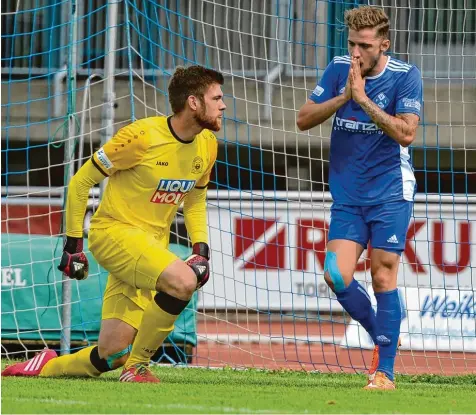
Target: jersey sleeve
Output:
{"points": [[123, 151], [409, 94], [195, 204], [77, 200], [326, 88], [213, 150], [195, 215]]}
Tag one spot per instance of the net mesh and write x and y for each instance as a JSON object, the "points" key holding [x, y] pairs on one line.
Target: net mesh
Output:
{"points": [[267, 304]]}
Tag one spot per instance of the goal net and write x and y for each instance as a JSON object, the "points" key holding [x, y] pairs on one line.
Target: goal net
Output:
{"points": [[72, 76]]}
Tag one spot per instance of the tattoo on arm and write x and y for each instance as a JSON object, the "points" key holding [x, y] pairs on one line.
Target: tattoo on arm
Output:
{"points": [[402, 127]]}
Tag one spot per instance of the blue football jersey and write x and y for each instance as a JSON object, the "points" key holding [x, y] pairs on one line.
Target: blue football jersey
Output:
{"points": [[367, 167]]}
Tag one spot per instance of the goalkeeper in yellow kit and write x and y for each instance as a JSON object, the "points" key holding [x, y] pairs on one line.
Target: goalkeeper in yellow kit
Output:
{"points": [[153, 165]]}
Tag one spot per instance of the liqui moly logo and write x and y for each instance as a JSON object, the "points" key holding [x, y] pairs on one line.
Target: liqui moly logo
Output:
{"points": [[172, 192]]}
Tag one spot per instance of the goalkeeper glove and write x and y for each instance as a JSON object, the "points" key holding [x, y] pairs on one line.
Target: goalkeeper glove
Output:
{"points": [[74, 263], [198, 261]]}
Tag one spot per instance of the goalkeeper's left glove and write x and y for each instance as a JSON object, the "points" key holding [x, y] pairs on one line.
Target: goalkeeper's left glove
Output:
{"points": [[198, 261], [74, 263]]}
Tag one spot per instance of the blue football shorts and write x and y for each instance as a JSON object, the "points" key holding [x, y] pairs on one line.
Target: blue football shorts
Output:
{"points": [[384, 225]]}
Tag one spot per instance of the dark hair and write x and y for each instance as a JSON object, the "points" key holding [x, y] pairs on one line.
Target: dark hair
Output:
{"points": [[368, 17], [194, 80]]}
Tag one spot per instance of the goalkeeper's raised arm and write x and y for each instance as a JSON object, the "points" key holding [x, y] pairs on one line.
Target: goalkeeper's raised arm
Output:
{"points": [[154, 165]]}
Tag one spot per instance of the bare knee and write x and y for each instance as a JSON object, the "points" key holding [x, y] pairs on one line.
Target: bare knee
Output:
{"points": [[384, 272], [333, 276], [178, 280], [339, 265], [381, 282]]}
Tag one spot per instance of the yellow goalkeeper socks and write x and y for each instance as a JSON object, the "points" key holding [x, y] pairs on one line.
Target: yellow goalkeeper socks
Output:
{"points": [[157, 322], [76, 364]]}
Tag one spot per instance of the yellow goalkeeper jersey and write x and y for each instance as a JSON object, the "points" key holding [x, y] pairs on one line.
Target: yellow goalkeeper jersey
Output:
{"points": [[151, 172]]}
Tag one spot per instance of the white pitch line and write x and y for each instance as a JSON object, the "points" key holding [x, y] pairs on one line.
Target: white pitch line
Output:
{"points": [[159, 406], [259, 338]]}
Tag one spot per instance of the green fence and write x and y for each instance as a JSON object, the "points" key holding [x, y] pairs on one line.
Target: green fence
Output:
{"points": [[32, 288]]}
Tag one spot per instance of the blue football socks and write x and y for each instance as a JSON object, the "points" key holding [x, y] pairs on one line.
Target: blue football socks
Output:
{"points": [[356, 301], [389, 317]]}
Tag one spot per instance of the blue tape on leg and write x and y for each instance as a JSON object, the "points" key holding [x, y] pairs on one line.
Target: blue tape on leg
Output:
{"points": [[330, 266], [110, 359]]}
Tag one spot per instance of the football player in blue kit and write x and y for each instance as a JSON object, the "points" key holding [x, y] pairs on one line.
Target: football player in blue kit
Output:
{"points": [[376, 100]]}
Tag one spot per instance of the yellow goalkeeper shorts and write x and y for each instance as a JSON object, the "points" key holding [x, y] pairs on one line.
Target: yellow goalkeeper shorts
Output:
{"points": [[124, 302], [135, 259]]}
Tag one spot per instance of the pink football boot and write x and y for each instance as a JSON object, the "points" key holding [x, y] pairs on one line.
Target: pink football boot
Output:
{"points": [[31, 367]]}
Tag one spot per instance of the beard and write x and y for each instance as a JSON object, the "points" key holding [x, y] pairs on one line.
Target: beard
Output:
{"points": [[372, 65], [204, 121]]}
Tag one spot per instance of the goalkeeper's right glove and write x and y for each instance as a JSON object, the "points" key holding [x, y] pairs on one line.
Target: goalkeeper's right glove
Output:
{"points": [[74, 263], [198, 261]]}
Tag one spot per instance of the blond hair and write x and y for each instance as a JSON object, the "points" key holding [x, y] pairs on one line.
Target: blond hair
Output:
{"points": [[368, 17]]}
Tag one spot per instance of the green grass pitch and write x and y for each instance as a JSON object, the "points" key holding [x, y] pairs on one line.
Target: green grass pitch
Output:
{"points": [[225, 391]]}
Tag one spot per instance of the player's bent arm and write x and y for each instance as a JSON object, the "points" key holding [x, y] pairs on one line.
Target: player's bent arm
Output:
{"points": [[74, 262], [312, 114], [195, 204], [195, 214], [402, 128], [78, 192]]}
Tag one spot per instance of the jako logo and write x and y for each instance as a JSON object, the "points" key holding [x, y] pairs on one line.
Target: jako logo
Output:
{"points": [[172, 192]]}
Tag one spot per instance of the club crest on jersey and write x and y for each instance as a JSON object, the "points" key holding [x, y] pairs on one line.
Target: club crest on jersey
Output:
{"points": [[381, 100], [197, 165], [172, 192]]}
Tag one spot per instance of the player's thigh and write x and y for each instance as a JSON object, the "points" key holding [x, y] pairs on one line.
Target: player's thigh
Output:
{"points": [[130, 254], [124, 302], [347, 254], [348, 237], [389, 225], [178, 280]]}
